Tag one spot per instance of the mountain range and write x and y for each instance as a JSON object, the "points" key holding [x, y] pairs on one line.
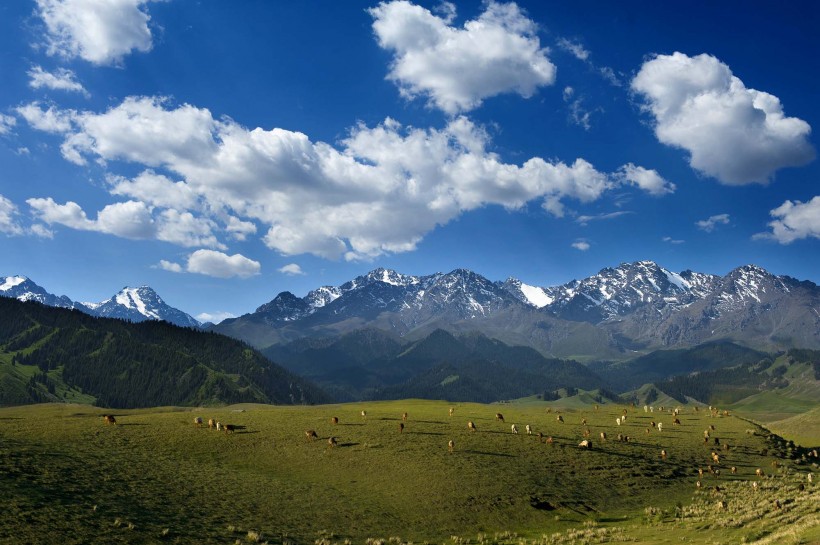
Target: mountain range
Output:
{"points": [[132, 304], [616, 314]]}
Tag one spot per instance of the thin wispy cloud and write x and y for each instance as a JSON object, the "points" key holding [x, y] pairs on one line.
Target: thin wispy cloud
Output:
{"points": [[712, 222]]}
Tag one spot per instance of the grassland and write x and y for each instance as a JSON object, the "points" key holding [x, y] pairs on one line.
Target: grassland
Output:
{"points": [[66, 477]]}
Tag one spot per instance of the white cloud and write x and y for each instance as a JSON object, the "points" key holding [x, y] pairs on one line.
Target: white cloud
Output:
{"points": [[734, 134], [131, 219], [62, 80], [381, 191], [709, 225], [211, 263], [583, 220], [794, 220], [52, 120], [291, 269], [101, 32], [575, 48], [581, 245], [671, 240], [214, 317], [8, 218], [7, 122], [457, 68], [647, 179], [170, 266], [578, 114]]}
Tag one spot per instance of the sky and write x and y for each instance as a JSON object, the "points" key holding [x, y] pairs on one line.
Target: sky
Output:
{"points": [[222, 152]]}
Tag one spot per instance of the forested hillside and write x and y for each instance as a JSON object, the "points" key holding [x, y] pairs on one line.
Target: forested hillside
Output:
{"points": [[52, 354]]}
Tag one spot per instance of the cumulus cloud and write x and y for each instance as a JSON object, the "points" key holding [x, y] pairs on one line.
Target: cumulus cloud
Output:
{"points": [[169, 266], [130, 219], [734, 134], [291, 269], [794, 220], [7, 122], [581, 245], [647, 179], [457, 68], [709, 224], [380, 191], [9, 223], [62, 80], [212, 263], [101, 32], [52, 120]]}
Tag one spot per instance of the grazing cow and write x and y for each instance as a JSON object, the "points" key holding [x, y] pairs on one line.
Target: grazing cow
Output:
{"points": [[229, 428], [109, 419], [560, 419], [331, 442], [471, 425], [603, 436], [529, 429], [514, 428], [219, 426], [705, 440], [754, 485], [809, 478], [364, 415], [620, 437], [663, 454], [211, 423], [717, 441], [586, 443], [700, 472], [550, 440], [651, 409], [660, 426], [654, 425], [452, 410], [716, 473], [334, 420], [706, 434], [198, 421], [583, 421], [759, 472], [540, 436], [586, 432], [715, 458], [722, 505], [499, 416], [676, 422], [404, 417], [712, 427], [401, 427], [596, 406], [733, 470], [698, 485], [618, 420], [725, 446], [646, 408], [451, 445], [310, 435]]}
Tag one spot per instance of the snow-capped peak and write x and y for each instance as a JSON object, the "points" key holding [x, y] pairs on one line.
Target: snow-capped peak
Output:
{"points": [[136, 298], [11, 281]]}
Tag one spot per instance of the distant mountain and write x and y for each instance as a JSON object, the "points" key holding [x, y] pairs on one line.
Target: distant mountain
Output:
{"points": [[373, 364], [54, 354], [132, 304], [139, 304], [616, 314]]}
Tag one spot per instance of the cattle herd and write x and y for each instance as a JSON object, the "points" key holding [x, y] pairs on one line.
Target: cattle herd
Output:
{"points": [[586, 443]]}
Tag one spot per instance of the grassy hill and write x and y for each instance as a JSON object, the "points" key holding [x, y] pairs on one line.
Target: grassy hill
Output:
{"points": [[67, 477], [54, 354]]}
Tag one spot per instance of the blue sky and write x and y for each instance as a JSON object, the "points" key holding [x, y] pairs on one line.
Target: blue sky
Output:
{"points": [[222, 152]]}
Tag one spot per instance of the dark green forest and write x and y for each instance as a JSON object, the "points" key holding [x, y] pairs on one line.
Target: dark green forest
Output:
{"points": [[122, 364]]}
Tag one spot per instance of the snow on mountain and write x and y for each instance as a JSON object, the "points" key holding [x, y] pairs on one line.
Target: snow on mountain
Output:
{"points": [[134, 304], [22, 288], [140, 304]]}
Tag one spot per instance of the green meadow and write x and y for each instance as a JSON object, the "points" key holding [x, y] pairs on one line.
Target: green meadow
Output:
{"points": [[154, 477]]}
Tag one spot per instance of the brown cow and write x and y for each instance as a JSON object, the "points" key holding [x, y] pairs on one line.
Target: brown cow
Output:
{"points": [[331, 442], [401, 427], [310, 435], [211, 423], [334, 420], [499, 416], [451, 445], [109, 419], [471, 425], [404, 417], [229, 428]]}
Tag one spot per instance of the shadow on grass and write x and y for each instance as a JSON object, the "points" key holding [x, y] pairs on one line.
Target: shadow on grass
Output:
{"points": [[424, 432], [499, 454], [131, 424]]}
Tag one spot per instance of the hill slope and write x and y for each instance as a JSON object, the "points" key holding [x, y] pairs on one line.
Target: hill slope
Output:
{"points": [[53, 354]]}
